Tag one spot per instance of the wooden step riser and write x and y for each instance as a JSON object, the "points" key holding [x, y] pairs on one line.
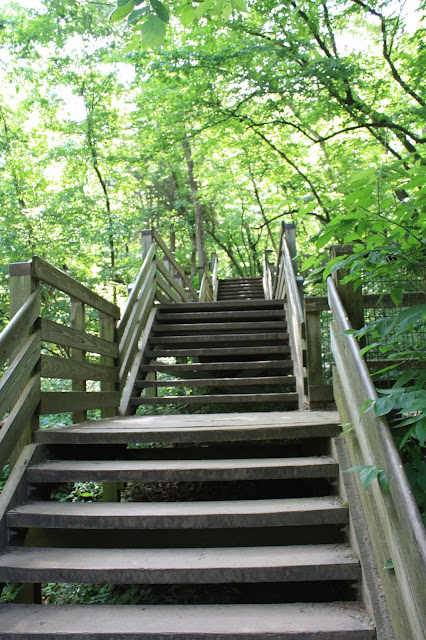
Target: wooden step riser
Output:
{"points": [[218, 352], [262, 365], [222, 306], [219, 327], [181, 566], [273, 337], [234, 398], [284, 381], [222, 316]]}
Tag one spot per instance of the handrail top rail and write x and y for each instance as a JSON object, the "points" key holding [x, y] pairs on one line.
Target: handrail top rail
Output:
{"points": [[160, 242], [405, 505], [21, 318], [42, 270]]}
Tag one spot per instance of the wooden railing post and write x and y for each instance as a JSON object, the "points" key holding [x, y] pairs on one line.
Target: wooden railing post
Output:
{"points": [[22, 284], [107, 331], [351, 297], [290, 236], [78, 321], [147, 240]]}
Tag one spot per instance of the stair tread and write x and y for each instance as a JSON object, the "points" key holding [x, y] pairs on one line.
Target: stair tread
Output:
{"points": [[218, 326], [218, 366], [180, 307], [188, 622], [174, 470], [226, 337], [206, 427], [180, 565], [210, 315], [229, 398], [217, 382], [196, 514], [217, 351]]}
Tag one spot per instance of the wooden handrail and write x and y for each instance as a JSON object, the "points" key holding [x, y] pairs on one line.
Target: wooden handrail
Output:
{"points": [[397, 518], [158, 239], [42, 270], [19, 326]]}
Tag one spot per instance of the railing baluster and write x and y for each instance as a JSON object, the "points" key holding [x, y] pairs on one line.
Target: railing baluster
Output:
{"points": [[78, 321]]}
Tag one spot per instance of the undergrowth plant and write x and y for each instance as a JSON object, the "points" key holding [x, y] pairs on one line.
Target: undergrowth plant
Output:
{"points": [[384, 219]]}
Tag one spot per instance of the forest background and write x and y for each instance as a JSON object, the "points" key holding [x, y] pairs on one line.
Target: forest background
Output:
{"points": [[214, 121]]}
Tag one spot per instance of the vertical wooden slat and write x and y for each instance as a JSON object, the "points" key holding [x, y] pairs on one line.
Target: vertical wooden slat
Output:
{"points": [[107, 332], [78, 321]]}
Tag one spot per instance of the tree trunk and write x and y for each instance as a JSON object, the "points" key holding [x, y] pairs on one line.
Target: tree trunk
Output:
{"points": [[198, 209]]}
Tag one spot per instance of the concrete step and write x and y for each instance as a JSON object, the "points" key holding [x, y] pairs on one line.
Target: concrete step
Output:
{"points": [[181, 470], [198, 315], [300, 621], [229, 339], [218, 327], [180, 566], [227, 514], [219, 382], [219, 427], [217, 351], [229, 398]]}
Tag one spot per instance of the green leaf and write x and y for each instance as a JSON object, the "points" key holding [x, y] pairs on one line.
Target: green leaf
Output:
{"points": [[226, 13], [239, 5], [388, 564], [202, 8], [133, 44], [153, 31], [420, 432], [187, 15], [396, 294], [368, 474], [408, 317], [161, 10], [122, 11], [383, 481], [383, 405]]}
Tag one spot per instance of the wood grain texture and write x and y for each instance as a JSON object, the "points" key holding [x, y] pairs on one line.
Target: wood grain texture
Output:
{"points": [[57, 402], [64, 368], [16, 376], [20, 325], [42, 270], [399, 516], [69, 337]]}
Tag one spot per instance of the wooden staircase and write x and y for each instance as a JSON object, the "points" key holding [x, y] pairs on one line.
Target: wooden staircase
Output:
{"points": [[218, 355], [240, 288], [251, 542]]}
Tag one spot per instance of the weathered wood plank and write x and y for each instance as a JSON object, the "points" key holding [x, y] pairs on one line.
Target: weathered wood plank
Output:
{"points": [[69, 337], [17, 374], [57, 402], [129, 383], [219, 382], [15, 423], [78, 321], [64, 368], [19, 326], [158, 239], [126, 358], [126, 336], [400, 519], [172, 281], [224, 351], [107, 332], [313, 347], [171, 293], [46, 272], [16, 488], [134, 294], [232, 398]]}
